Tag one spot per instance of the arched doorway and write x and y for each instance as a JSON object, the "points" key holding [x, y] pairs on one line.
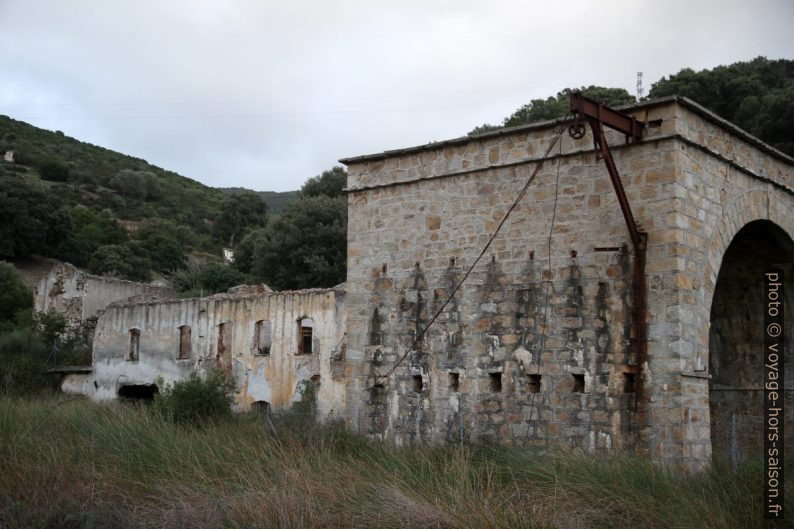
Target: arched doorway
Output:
{"points": [[736, 341]]}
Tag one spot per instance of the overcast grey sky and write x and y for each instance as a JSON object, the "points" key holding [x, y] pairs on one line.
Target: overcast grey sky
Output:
{"points": [[266, 94]]}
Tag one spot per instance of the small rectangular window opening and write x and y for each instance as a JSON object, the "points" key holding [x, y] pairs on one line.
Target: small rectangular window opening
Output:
{"points": [[496, 382], [135, 344], [305, 328], [263, 338], [184, 341], [578, 384], [533, 383], [454, 382], [628, 382], [417, 383]]}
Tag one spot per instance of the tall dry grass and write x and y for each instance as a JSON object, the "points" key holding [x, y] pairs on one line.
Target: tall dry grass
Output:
{"points": [[70, 463]]}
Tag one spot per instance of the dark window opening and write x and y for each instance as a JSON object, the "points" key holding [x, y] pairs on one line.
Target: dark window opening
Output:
{"points": [[135, 344], [418, 384], [305, 328], [223, 356], [263, 338], [496, 382], [628, 382], [454, 382], [261, 407], [138, 391], [578, 384], [533, 383], [184, 341]]}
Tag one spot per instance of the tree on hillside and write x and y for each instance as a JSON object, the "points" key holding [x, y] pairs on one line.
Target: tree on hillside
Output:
{"points": [[15, 296], [137, 185], [239, 214], [330, 183], [119, 261], [31, 220], [756, 95], [306, 246], [557, 107]]}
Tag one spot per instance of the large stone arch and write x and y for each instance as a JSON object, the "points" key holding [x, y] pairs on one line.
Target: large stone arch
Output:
{"points": [[753, 235], [758, 204]]}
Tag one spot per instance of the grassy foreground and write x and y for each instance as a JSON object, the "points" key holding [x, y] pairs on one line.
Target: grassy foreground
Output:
{"points": [[71, 463]]}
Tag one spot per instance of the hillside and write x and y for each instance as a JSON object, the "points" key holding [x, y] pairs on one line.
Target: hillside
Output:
{"points": [[276, 201], [100, 209]]}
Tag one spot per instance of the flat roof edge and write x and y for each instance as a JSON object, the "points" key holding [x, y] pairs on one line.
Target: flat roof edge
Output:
{"points": [[686, 102]]}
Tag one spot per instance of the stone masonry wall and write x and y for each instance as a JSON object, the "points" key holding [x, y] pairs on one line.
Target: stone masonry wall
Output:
{"points": [[535, 346]]}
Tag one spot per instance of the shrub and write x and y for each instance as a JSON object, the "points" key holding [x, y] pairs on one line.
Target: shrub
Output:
{"points": [[23, 359], [196, 400], [15, 296], [55, 171]]}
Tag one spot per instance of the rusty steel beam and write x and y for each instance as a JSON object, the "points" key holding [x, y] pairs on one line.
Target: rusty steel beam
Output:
{"points": [[613, 119], [597, 116]]}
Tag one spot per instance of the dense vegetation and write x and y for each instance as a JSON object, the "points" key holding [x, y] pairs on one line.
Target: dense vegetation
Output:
{"points": [[117, 215], [756, 95], [307, 245], [558, 106], [70, 463], [30, 341]]}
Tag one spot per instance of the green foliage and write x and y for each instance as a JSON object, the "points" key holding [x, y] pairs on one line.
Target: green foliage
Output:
{"points": [[31, 220], [330, 183], [756, 95], [204, 279], [305, 247], [90, 231], [119, 261], [55, 171], [23, 361], [195, 400], [240, 213], [244, 251], [15, 296], [277, 201], [557, 107], [165, 252], [100, 182]]}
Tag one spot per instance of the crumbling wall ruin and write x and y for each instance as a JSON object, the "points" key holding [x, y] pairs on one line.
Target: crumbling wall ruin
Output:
{"points": [[254, 338], [80, 296]]}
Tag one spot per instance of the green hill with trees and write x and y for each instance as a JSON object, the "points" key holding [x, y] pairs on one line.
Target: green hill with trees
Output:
{"points": [[118, 215], [756, 95]]}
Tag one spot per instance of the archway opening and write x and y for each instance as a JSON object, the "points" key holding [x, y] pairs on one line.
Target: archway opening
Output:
{"points": [[736, 342]]}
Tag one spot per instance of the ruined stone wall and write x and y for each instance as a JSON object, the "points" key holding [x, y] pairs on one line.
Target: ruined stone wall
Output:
{"points": [[80, 296], [272, 375], [489, 366]]}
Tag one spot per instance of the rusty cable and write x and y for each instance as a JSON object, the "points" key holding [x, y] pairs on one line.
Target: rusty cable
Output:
{"points": [[523, 192]]}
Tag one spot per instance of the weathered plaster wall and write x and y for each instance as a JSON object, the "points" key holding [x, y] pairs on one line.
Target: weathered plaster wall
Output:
{"points": [[80, 296], [273, 378], [689, 174]]}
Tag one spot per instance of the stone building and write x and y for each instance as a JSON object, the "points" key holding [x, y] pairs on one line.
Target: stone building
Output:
{"points": [[269, 343], [535, 346]]}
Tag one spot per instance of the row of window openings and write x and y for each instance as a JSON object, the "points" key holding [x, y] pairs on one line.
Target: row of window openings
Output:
{"points": [[533, 383], [263, 339]]}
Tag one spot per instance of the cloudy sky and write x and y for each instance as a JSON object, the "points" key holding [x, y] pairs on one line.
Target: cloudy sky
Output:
{"points": [[266, 94]]}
